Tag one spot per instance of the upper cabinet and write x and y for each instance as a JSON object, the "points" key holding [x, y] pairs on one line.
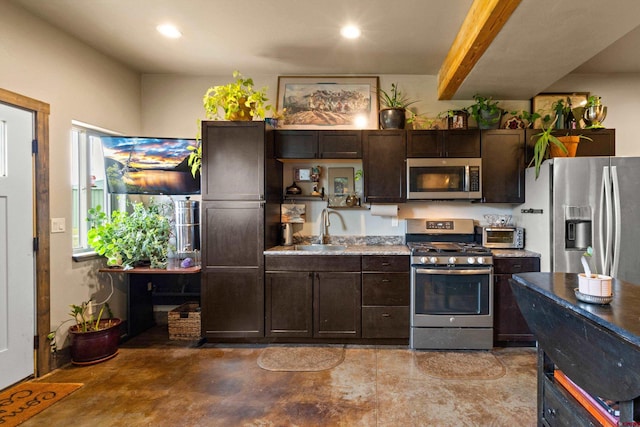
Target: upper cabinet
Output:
{"points": [[318, 144], [443, 143], [603, 141], [233, 159], [503, 166], [384, 166]]}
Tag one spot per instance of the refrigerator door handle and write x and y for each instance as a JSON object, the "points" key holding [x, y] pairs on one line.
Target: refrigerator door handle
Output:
{"points": [[605, 222], [615, 258]]}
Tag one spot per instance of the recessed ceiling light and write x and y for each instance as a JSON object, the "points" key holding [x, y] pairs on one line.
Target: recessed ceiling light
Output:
{"points": [[169, 30], [350, 32]]}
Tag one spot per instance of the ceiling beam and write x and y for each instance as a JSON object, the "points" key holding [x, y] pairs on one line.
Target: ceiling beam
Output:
{"points": [[483, 22]]}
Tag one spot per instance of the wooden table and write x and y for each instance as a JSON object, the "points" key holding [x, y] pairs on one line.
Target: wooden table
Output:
{"points": [[596, 346], [139, 281]]}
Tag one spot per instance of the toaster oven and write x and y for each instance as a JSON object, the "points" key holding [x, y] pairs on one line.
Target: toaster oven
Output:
{"points": [[500, 237]]}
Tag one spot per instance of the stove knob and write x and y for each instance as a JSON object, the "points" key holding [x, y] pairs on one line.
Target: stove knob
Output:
{"points": [[480, 260], [471, 260], [433, 260], [452, 260], [423, 260]]}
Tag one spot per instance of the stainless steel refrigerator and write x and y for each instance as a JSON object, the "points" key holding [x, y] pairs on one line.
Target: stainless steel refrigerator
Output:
{"points": [[580, 202]]}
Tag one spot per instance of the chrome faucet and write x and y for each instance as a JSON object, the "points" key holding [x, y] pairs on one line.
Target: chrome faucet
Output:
{"points": [[324, 226]]}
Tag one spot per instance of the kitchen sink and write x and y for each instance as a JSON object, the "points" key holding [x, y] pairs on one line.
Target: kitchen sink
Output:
{"points": [[319, 247]]}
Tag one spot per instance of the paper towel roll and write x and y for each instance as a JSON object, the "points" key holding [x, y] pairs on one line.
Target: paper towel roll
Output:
{"points": [[384, 210]]}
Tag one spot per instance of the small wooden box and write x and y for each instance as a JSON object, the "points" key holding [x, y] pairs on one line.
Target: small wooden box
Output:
{"points": [[184, 322]]}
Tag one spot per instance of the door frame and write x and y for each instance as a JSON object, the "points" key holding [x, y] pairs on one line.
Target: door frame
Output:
{"points": [[41, 112]]}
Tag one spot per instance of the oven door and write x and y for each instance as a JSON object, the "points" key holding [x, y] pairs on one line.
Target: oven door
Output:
{"points": [[452, 297]]}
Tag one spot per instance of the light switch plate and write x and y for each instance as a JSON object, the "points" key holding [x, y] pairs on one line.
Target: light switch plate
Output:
{"points": [[58, 225]]}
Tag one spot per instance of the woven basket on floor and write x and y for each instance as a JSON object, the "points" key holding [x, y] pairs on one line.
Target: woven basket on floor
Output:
{"points": [[184, 322]]}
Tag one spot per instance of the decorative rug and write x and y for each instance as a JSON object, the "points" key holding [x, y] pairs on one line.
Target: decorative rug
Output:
{"points": [[300, 358], [19, 403], [475, 365]]}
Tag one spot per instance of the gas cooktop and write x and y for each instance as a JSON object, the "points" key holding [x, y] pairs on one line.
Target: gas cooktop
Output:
{"points": [[448, 248]]}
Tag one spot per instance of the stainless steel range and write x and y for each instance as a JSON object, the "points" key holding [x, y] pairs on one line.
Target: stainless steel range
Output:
{"points": [[451, 286]]}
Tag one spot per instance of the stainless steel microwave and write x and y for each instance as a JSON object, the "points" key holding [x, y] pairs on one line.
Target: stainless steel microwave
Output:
{"points": [[444, 179]]}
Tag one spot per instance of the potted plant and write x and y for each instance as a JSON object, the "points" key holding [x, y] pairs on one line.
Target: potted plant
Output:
{"points": [[129, 239], [549, 145], [395, 103], [486, 112], [239, 100], [593, 283], [93, 338]]}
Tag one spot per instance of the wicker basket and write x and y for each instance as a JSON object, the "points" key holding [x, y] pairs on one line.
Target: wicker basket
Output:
{"points": [[184, 322]]}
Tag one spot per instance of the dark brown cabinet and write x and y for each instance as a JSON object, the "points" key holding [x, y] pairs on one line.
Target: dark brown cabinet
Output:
{"points": [[314, 144], [443, 143], [384, 166], [509, 324], [603, 141], [503, 166], [313, 296], [237, 221], [385, 297]]}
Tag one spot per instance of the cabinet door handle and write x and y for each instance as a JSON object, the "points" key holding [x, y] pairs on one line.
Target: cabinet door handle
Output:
{"points": [[386, 264], [385, 280], [386, 315]]}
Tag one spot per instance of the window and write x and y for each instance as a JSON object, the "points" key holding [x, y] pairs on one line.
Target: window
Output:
{"points": [[88, 184]]}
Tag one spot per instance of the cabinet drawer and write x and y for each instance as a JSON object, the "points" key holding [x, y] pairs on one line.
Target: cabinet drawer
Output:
{"points": [[515, 265], [399, 263], [312, 263], [385, 322], [560, 409], [385, 289]]}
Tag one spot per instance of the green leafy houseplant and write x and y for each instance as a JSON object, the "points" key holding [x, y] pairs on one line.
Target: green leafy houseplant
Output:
{"points": [[485, 111], [394, 113], [541, 146], [129, 239], [239, 100]]}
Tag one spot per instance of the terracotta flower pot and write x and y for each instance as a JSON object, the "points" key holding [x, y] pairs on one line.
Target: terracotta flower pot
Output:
{"points": [[571, 144], [92, 347]]}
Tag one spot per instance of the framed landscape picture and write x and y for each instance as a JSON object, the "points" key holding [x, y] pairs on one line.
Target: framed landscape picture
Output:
{"points": [[308, 102]]}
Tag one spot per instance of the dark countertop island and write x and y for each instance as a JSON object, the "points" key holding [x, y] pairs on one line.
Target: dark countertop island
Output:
{"points": [[596, 346]]}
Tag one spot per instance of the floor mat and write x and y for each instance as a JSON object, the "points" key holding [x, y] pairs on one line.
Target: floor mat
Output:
{"points": [[300, 358], [477, 365], [19, 403]]}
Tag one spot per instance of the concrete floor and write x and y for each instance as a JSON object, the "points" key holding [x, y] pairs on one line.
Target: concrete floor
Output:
{"points": [[157, 382]]}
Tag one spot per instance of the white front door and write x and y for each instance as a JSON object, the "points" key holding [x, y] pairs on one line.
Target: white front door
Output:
{"points": [[17, 271]]}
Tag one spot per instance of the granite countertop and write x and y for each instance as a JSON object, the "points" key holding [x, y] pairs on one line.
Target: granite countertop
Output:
{"points": [[514, 253], [622, 315], [349, 250]]}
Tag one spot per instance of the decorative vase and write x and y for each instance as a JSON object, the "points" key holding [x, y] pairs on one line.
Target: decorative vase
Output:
{"points": [[596, 284], [570, 143], [594, 115], [88, 348], [392, 118], [489, 120]]}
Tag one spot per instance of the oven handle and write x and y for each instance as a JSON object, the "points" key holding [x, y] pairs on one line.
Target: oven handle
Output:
{"points": [[453, 272]]}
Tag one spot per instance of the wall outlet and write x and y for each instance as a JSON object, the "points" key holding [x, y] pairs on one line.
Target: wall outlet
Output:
{"points": [[394, 221], [58, 225]]}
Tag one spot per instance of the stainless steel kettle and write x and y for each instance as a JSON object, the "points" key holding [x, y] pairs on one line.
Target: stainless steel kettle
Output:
{"points": [[287, 234]]}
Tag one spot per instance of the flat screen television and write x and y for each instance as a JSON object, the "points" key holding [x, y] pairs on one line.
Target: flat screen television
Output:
{"points": [[140, 165]]}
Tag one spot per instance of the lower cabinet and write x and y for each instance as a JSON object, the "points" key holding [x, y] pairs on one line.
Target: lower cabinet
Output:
{"points": [[232, 303], [313, 296], [385, 296], [509, 325]]}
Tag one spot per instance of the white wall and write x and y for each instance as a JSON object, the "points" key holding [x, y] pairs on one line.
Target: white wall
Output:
{"points": [[619, 94], [79, 83], [172, 104]]}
